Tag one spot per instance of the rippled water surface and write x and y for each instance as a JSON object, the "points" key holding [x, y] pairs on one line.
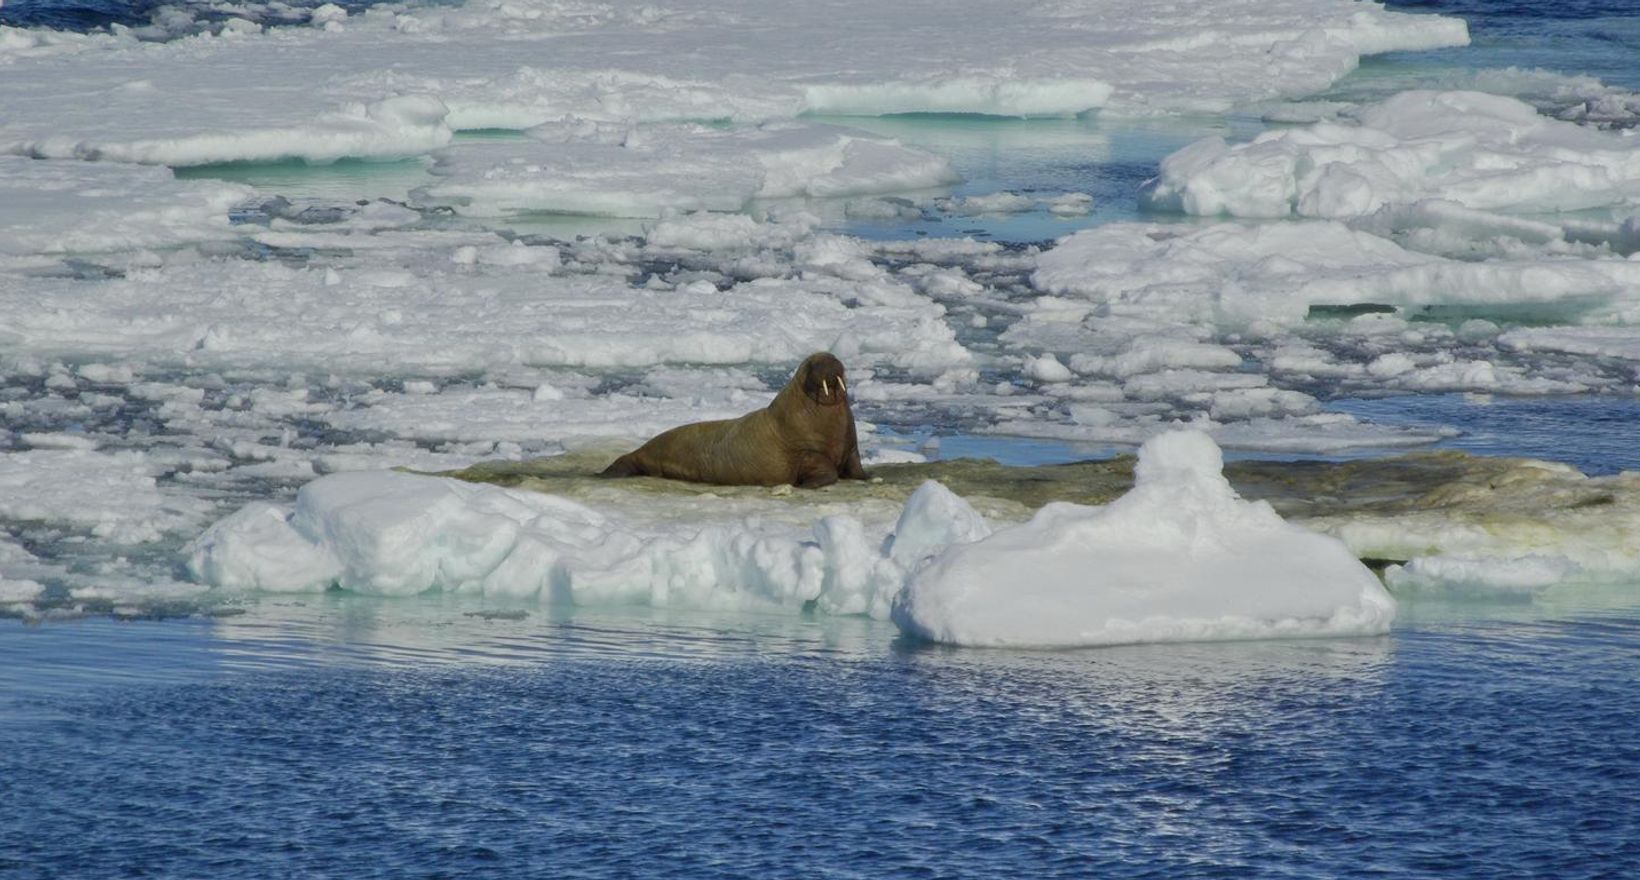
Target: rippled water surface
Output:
{"points": [[368, 738]]}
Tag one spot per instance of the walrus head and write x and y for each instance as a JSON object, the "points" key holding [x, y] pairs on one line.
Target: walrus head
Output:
{"points": [[821, 378]]}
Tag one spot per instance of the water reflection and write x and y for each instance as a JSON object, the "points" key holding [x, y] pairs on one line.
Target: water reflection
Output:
{"points": [[346, 629]]}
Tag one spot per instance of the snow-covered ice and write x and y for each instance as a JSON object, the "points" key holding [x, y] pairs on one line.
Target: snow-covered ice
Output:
{"points": [[622, 171], [65, 207], [1243, 274], [398, 534], [1437, 160], [1180, 557], [398, 80]]}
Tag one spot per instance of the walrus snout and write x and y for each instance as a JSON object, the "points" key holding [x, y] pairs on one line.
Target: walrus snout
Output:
{"points": [[823, 379]]}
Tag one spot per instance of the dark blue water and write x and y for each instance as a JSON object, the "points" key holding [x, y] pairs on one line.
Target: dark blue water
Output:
{"points": [[1593, 434], [1599, 38], [91, 15], [76, 15], [1460, 746]]}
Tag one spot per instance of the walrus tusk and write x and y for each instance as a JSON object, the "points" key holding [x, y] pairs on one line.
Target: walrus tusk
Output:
{"points": [[825, 387], [841, 384]]}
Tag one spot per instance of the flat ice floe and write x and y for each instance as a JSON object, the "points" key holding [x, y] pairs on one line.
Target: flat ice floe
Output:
{"points": [[1242, 275], [1450, 163], [63, 207], [1178, 558], [398, 80], [622, 171]]}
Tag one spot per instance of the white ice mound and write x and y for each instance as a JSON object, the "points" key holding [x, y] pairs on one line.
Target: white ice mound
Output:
{"points": [[1179, 558], [621, 171], [1461, 150]]}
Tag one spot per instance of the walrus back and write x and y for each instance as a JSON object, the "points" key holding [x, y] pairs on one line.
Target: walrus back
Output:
{"points": [[625, 466], [702, 452]]}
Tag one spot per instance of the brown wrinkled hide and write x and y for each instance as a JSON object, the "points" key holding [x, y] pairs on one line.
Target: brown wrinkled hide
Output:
{"points": [[805, 438]]}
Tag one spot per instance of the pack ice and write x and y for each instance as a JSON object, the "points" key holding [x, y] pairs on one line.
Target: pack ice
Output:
{"points": [[398, 80]]}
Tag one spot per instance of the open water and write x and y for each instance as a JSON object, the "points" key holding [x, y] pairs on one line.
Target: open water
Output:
{"points": [[358, 738]]}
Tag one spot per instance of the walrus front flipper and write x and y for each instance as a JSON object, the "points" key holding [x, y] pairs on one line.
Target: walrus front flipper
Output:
{"points": [[624, 466], [852, 469], [814, 472]]}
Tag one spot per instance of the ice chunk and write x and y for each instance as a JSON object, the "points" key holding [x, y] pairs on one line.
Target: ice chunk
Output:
{"points": [[933, 519], [397, 534], [1180, 557], [1487, 576]]}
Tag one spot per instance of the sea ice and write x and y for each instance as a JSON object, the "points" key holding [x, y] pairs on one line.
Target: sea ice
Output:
{"points": [[1417, 159], [1238, 275], [621, 171], [1180, 557], [68, 207], [426, 310], [396, 534], [113, 496], [399, 80]]}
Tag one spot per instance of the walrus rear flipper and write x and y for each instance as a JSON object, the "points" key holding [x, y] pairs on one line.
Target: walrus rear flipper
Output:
{"points": [[622, 467]]}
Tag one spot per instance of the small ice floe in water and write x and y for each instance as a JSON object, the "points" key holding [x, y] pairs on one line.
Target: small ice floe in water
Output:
{"points": [[1179, 558]]}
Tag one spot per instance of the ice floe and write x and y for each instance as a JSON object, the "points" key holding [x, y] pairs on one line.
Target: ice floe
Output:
{"points": [[401, 534], [1241, 275], [621, 171], [398, 534], [113, 496], [397, 80], [1438, 161], [443, 312], [1180, 557], [67, 207]]}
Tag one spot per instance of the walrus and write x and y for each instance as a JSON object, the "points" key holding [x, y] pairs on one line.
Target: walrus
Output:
{"points": [[805, 437]]}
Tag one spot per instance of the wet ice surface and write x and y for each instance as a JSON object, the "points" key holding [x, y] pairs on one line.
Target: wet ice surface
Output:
{"points": [[380, 739]]}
